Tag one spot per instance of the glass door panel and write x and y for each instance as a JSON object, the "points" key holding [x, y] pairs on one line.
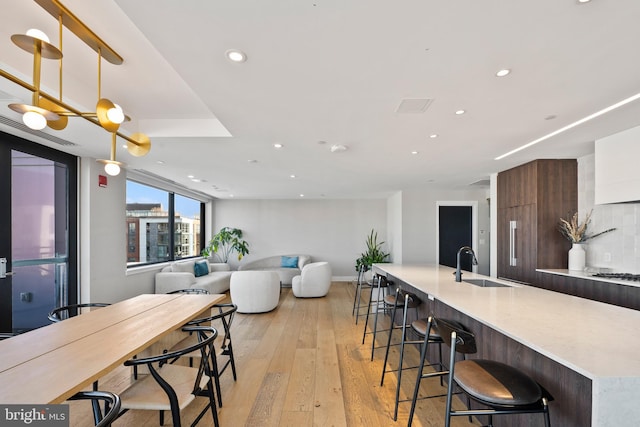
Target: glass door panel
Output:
{"points": [[36, 199], [39, 244]]}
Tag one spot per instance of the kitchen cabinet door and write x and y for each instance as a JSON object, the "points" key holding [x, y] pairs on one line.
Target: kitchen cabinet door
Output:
{"points": [[516, 247]]}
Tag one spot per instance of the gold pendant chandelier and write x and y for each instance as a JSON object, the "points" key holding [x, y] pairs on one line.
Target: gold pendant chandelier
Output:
{"points": [[48, 111]]}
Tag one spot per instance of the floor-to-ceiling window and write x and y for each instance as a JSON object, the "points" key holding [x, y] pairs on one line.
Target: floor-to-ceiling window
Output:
{"points": [[38, 224], [161, 225]]}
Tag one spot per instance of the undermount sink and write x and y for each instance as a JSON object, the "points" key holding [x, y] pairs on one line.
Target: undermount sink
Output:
{"points": [[486, 283]]}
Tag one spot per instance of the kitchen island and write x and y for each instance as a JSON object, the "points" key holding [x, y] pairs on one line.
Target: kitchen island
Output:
{"points": [[584, 352]]}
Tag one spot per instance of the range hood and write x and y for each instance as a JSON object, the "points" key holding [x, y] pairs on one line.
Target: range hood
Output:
{"points": [[617, 168]]}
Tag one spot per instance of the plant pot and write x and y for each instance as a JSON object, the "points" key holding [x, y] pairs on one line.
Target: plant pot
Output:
{"points": [[577, 257]]}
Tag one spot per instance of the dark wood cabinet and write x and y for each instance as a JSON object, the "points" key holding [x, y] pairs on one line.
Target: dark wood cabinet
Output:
{"points": [[531, 200]]}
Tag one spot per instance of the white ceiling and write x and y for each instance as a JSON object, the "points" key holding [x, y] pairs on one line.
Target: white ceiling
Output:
{"points": [[328, 72]]}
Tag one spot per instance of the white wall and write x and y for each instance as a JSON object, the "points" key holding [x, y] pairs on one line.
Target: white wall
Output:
{"points": [[419, 223], [103, 270], [328, 230], [394, 227], [618, 250]]}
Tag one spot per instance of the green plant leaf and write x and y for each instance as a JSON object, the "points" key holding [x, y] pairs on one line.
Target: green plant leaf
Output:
{"points": [[374, 253], [225, 242]]}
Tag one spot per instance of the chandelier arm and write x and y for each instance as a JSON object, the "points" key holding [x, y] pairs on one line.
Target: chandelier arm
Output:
{"points": [[37, 62], [73, 111]]}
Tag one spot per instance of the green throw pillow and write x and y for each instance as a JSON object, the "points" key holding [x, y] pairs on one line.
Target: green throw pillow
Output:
{"points": [[201, 268]]}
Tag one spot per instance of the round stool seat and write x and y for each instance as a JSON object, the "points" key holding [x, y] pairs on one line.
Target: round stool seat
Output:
{"points": [[391, 301], [420, 327], [495, 383]]}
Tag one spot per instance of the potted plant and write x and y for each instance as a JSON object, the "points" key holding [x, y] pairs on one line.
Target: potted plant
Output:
{"points": [[373, 254], [576, 233], [225, 242]]}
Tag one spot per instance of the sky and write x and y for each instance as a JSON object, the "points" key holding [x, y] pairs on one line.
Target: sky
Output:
{"points": [[139, 193]]}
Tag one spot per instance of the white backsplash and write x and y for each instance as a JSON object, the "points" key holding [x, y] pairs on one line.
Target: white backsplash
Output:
{"points": [[618, 250]]}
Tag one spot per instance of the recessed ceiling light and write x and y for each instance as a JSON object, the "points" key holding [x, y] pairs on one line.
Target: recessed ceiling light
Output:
{"points": [[414, 152], [190, 176], [252, 161], [160, 162], [292, 176], [196, 180], [459, 112], [503, 72], [278, 145], [302, 195], [584, 1], [433, 135], [337, 148], [235, 55]]}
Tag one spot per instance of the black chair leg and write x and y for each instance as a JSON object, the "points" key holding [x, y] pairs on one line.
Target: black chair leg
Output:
{"points": [[386, 353]]}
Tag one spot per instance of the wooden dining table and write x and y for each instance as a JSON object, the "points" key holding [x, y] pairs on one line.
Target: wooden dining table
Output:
{"points": [[52, 363]]}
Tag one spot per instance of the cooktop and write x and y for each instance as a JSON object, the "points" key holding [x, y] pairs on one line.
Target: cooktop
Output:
{"points": [[623, 276]]}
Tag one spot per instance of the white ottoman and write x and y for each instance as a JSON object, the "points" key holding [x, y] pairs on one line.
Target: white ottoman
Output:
{"points": [[255, 291]]}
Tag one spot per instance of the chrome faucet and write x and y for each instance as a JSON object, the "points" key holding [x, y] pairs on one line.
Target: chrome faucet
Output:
{"points": [[474, 260]]}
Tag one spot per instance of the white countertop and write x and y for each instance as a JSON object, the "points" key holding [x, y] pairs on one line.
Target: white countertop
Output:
{"points": [[587, 276], [594, 339]]}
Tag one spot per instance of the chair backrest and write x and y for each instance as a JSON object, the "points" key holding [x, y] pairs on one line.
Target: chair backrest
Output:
{"points": [[317, 272], [226, 314], [382, 281], [465, 341], [189, 291], [67, 311], [111, 404], [413, 300], [206, 336]]}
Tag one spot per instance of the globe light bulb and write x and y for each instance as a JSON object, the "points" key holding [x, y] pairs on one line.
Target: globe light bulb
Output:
{"points": [[115, 114], [37, 34], [112, 169], [34, 120]]}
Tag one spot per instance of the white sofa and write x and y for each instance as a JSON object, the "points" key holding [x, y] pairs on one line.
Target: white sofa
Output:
{"points": [[314, 281], [274, 263], [255, 291], [181, 275]]}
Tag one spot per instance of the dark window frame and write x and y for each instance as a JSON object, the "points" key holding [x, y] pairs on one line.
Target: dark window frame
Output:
{"points": [[171, 248]]}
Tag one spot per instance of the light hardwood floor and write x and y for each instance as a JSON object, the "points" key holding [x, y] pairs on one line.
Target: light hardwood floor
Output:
{"points": [[302, 364]]}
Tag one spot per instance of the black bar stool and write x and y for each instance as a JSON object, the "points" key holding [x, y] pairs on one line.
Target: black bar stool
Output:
{"points": [[381, 290], [403, 300], [400, 300], [362, 283], [433, 337], [498, 386]]}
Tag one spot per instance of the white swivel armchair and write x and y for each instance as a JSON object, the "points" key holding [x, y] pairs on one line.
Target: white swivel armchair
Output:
{"points": [[255, 291], [314, 281]]}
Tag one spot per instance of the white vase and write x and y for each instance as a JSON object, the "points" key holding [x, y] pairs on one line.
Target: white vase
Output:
{"points": [[577, 257]]}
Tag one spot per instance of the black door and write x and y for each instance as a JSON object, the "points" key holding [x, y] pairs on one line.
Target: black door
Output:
{"points": [[455, 231]]}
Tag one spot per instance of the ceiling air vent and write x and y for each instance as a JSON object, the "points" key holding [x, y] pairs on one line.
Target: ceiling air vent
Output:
{"points": [[22, 127], [413, 106]]}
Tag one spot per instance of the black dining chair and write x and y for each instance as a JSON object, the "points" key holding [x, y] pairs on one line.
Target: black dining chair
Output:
{"points": [[171, 386], [111, 404], [189, 291], [224, 317], [65, 312], [61, 313]]}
